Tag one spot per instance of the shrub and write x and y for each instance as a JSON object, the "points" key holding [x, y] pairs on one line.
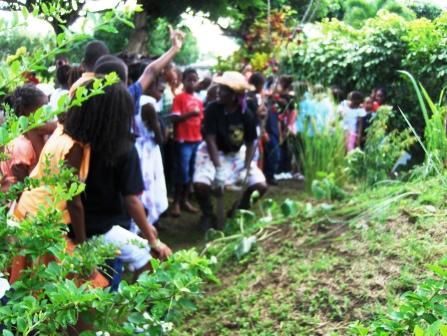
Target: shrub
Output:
{"points": [[336, 54]]}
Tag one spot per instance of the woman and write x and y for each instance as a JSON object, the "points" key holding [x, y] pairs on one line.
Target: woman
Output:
{"points": [[226, 155], [100, 124]]}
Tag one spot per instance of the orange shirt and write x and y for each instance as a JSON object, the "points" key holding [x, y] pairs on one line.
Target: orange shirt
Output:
{"points": [[54, 151]]}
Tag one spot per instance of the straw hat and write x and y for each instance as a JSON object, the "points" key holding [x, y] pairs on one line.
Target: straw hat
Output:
{"points": [[234, 80]]}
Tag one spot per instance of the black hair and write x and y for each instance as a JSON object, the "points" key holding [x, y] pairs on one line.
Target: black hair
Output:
{"points": [[257, 79], [136, 70], [74, 74], [103, 121], [189, 71], [24, 98], [356, 96], [381, 88], [146, 113], [108, 64], [337, 93], [286, 81], [269, 81], [128, 58], [93, 51], [62, 75]]}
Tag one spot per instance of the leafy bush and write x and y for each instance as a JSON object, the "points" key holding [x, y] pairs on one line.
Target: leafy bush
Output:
{"points": [[321, 153], [52, 299], [382, 149], [336, 54], [421, 312], [435, 138]]}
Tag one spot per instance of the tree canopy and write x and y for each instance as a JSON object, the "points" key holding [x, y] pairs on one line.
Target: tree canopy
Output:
{"points": [[358, 11], [57, 12]]}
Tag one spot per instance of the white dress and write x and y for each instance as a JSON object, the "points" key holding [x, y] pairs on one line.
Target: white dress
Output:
{"points": [[154, 197]]}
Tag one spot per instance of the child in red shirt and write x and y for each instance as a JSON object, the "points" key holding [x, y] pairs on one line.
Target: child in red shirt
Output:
{"points": [[187, 116]]}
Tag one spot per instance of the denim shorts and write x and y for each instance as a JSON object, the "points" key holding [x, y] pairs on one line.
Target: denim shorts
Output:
{"points": [[185, 158]]}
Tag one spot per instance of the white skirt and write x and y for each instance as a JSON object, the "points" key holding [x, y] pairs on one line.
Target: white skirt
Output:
{"points": [[154, 197]]}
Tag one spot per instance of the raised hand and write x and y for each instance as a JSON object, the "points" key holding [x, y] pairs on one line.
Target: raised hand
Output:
{"points": [[177, 37]]}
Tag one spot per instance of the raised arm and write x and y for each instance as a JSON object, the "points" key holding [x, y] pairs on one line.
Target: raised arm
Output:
{"points": [[153, 69]]}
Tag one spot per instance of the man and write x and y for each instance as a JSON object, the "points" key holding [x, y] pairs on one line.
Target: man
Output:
{"points": [[226, 156]]}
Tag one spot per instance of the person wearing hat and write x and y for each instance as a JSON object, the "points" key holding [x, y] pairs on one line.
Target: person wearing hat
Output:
{"points": [[226, 156]]}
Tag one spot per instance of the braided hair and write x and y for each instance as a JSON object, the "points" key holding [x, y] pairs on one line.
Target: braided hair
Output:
{"points": [[26, 99], [103, 121]]}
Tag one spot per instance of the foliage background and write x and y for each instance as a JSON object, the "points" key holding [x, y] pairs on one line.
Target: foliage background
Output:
{"points": [[362, 59]]}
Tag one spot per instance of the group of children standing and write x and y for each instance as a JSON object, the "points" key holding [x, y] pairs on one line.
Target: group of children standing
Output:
{"points": [[159, 131]]}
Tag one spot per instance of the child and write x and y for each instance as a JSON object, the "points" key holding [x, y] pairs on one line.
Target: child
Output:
{"points": [[150, 137], [379, 97], [368, 105], [287, 118], [351, 112], [21, 152], [62, 77], [187, 115]]}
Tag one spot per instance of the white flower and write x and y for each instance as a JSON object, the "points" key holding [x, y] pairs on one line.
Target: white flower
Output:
{"points": [[213, 260], [167, 326], [102, 333], [4, 287]]}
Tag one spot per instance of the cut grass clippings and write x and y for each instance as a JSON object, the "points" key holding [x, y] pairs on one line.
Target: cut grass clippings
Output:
{"points": [[320, 272]]}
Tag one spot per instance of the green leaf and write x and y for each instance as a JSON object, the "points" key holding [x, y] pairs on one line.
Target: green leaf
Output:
{"points": [[418, 331], [60, 38], [245, 246], [289, 208], [23, 122], [7, 333], [3, 136], [25, 12]]}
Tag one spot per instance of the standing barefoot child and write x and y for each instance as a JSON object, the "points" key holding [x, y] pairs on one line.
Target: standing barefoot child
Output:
{"points": [[187, 115]]}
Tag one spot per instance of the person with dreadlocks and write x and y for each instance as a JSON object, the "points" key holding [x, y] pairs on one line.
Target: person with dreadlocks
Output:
{"points": [[100, 125], [222, 159], [21, 152], [112, 195]]}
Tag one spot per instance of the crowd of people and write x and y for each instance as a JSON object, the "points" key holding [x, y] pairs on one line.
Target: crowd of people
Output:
{"points": [[162, 133]]}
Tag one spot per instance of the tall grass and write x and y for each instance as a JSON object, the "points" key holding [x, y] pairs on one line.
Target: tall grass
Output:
{"points": [[434, 142], [321, 152]]}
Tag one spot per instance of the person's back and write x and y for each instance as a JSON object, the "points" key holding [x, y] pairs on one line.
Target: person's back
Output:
{"points": [[105, 186]]}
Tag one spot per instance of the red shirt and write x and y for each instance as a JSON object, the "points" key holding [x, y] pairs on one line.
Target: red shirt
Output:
{"points": [[189, 129]]}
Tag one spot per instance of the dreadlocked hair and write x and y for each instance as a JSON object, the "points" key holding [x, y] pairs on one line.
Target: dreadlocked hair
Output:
{"points": [[103, 121], [25, 99]]}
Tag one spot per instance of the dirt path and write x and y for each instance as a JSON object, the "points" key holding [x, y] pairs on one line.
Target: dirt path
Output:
{"points": [[184, 232]]}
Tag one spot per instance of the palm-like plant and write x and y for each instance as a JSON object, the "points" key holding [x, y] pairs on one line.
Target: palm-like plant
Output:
{"points": [[358, 11]]}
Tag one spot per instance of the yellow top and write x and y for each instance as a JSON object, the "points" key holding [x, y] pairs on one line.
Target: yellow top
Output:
{"points": [[54, 151]]}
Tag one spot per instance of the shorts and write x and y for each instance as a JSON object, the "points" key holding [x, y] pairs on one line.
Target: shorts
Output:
{"points": [[185, 153], [233, 165], [134, 250]]}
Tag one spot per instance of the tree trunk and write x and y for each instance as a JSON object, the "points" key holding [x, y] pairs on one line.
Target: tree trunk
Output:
{"points": [[139, 37]]}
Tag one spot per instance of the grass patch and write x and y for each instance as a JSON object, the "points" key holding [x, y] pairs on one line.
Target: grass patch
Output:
{"points": [[318, 274]]}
